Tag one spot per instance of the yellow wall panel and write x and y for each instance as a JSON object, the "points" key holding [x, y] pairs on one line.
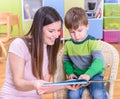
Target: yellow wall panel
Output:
{"points": [[67, 5]]}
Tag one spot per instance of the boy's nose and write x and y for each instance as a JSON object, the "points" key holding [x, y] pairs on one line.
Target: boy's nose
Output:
{"points": [[76, 34]]}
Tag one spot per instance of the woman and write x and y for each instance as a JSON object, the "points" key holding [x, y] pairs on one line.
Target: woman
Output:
{"points": [[32, 59]]}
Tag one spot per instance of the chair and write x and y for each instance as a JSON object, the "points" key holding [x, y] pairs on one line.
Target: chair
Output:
{"points": [[111, 57], [9, 20], [3, 52], [4, 44]]}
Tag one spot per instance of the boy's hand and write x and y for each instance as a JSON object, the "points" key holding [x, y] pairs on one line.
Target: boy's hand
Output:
{"points": [[84, 76], [72, 76], [73, 87]]}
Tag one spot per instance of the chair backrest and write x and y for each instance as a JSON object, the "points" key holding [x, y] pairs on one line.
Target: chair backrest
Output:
{"points": [[111, 57], [4, 15], [9, 20], [3, 52], [14, 19], [4, 18]]}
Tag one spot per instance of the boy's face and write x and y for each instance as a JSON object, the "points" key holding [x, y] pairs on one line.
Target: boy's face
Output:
{"points": [[79, 34]]}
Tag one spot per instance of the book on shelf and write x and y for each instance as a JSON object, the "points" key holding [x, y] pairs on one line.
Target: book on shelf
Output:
{"points": [[98, 11]]}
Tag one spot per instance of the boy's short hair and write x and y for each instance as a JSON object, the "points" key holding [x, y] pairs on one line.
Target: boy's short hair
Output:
{"points": [[74, 17]]}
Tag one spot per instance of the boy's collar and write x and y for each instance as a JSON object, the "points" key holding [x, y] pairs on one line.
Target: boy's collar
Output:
{"points": [[81, 40]]}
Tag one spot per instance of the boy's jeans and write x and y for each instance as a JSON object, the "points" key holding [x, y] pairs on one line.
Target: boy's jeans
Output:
{"points": [[97, 90]]}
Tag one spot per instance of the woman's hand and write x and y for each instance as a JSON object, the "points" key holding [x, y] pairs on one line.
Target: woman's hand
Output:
{"points": [[46, 89], [73, 87], [38, 86]]}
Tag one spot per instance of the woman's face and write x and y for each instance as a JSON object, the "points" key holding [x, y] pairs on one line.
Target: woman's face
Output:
{"points": [[51, 32]]}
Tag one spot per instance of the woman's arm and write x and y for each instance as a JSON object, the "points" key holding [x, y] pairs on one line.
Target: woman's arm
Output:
{"points": [[50, 89], [17, 65]]}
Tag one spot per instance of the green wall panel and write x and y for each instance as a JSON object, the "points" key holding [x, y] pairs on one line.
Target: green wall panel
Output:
{"points": [[26, 26]]}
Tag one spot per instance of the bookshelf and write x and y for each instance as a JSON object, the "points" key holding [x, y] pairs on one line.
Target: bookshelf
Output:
{"points": [[111, 32], [29, 7], [95, 15]]}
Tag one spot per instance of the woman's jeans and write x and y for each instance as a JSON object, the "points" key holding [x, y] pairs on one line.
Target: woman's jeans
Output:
{"points": [[97, 90]]}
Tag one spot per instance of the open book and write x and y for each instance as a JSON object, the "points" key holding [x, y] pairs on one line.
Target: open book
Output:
{"points": [[74, 81], [67, 82]]}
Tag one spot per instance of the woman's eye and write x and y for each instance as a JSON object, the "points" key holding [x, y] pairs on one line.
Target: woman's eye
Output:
{"points": [[50, 31], [72, 32]]}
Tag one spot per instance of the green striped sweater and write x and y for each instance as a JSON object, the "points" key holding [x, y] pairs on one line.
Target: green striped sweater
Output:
{"points": [[83, 57]]}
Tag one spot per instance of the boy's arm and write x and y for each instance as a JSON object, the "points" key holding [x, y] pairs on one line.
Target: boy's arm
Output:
{"points": [[96, 67], [68, 67], [66, 62]]}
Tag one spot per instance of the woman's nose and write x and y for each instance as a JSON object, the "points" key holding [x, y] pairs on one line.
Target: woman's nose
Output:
{"points": [[56, 34]]}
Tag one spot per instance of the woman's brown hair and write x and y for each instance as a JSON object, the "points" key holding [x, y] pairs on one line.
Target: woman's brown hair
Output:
{"points": [[34, 38]]}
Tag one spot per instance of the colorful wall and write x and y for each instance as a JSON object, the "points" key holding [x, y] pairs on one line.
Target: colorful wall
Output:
{"points": [[16, 7]]}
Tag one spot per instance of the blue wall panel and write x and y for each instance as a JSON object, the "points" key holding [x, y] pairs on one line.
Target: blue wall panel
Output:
{"points": [[96, 28], [57, 4]]}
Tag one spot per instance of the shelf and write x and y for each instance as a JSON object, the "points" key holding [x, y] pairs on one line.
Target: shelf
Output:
{"points": [[111, 35], [112, 9], [94, 8], [30, 7], [111, 23], [111, 1], [111, 19]]}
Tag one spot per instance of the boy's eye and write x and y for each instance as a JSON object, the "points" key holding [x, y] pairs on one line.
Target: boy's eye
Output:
{"points": [[72, 32]]}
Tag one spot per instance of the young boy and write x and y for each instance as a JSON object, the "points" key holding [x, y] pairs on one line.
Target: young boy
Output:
{"points": [[82, 56]]}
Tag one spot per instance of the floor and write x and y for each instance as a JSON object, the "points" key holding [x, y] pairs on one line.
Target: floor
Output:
{"points": [[50, 96]]}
